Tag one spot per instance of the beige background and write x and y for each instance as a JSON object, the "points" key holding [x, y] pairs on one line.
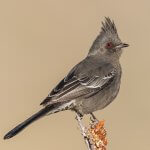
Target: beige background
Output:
{"points": [[34, 33]]}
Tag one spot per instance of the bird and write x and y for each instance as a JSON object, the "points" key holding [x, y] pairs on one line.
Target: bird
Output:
{"points": [[90, 85]]}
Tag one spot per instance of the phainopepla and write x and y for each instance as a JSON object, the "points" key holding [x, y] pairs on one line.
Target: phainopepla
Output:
{"points": [[91, 85]]}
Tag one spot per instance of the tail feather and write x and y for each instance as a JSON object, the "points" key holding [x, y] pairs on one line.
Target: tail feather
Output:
{"points": [[27, 122]]}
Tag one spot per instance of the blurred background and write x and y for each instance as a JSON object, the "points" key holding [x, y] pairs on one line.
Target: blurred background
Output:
{"points": [[41, 40]]}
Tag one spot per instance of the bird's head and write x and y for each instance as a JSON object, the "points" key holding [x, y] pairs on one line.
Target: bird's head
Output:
{"points": [[108, 43]]}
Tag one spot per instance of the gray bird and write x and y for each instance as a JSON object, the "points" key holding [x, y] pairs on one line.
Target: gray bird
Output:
{"points": [[91, 85]]}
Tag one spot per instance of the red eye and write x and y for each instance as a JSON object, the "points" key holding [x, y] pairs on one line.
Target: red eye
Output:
{"points": [[109, 45]]}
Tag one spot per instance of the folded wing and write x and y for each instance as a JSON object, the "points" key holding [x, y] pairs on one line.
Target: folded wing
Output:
{"points": [[81, 82]]}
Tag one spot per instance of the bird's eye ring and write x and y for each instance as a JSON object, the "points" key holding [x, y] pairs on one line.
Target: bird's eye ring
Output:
{"points": [[109, 45]]}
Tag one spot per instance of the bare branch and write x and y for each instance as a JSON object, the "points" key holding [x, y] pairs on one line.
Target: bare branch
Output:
{"points": [[84, 132]]}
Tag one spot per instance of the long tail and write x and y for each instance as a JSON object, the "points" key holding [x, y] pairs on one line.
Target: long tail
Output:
{"points": [[33, 118]]}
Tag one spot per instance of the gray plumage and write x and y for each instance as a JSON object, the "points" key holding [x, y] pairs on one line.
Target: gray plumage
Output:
{"points": [[92, 84]]}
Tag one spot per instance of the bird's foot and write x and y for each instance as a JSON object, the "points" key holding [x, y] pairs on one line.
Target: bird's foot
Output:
{"points": [[93, 118]]}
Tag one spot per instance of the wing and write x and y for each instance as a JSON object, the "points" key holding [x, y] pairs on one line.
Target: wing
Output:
{"points": [[69, 83], [82, 82]]}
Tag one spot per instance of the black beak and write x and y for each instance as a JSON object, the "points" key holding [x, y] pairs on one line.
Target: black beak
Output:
{"points": [[122, 45]]}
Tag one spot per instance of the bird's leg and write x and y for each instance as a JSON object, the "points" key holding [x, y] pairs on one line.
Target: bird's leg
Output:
{"points": [[83, 131], [93, 118]]}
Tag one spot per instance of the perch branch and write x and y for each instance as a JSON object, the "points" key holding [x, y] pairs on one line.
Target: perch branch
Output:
{"points": [[83, 132]]}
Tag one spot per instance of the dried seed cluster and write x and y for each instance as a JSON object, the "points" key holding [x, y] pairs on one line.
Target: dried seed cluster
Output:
{"points": [[97, 135]]}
